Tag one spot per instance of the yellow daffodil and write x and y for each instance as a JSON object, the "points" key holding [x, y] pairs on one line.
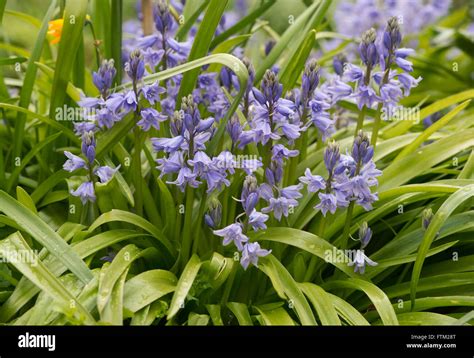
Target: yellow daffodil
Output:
{"points": [[55, 29]]}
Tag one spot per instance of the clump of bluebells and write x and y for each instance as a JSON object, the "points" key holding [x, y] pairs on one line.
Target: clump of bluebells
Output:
{"points": [[274, 123]]}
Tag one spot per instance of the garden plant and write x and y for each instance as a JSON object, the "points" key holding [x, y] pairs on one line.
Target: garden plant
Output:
{"points": [[219, 162]]}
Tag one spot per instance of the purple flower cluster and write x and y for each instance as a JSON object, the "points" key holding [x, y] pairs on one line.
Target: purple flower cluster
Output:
{"points": [[387, 86], [350, 177], [74, 163], [416, 14], [186, 154], [236, 233]]}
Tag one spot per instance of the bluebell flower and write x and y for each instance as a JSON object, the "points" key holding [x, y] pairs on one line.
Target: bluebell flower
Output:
{"points": [[368, 49], [314, 182], [328, 202], [280, 206], [185, 177], [359, 262], [365, 234], [152, 92], [88, 146], [310, 80], [105, 118], [105, 173], [152, 57], [232, 234], [104, 77], [331, 156], [250, 254], [135, 67], [168, 145], [129, 102], [408, 82], [250, 194], [85, 192], [234, 129], [150, 118], [74, 162], [214, 216], [280, 152], [426, 218], [170, 165], [321, 119], [257, 220], [81, 127]]}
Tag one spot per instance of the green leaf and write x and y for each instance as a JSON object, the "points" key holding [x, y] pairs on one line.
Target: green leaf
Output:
{"points": [[295, 64], [24, 198], [403, 170], [29, 81], [25, 290], [215, 313], [305, 241], [110, 275], [322, 303], [348, 312], [38, 229], [376, 295], [241, 312], [24, 161], [438, 220], [71, 37], [287, 288], [134, 219], [37, 273], [201, 44], [430, 130], [403, 126], [308, 20], [275, 316], [147, 287], [50, 122], [425, 319], [185, 282], [242, 24], [189, 22], [115, 48]]}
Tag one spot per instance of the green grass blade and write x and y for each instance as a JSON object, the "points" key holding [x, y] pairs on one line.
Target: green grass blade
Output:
{"points": [[322, 303], [242, 24], [438, 220], [37, 273], [287, 288], [376, 295], [201, 44], [292, 70], [430, 130], [240, 312], [68, 45], [147, 287], [39, 230], [29, 81]]}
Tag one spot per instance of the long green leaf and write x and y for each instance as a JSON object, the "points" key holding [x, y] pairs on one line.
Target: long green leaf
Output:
{"points": [[185, 282], [287, 288], [201, 44], [438, 220], [39, 230]]}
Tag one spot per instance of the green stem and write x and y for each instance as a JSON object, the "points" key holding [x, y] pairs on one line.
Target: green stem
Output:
{"points": [[360, 121], [187, 229], [314, 259], [229, 283], [347, 225], [137, 172]]}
